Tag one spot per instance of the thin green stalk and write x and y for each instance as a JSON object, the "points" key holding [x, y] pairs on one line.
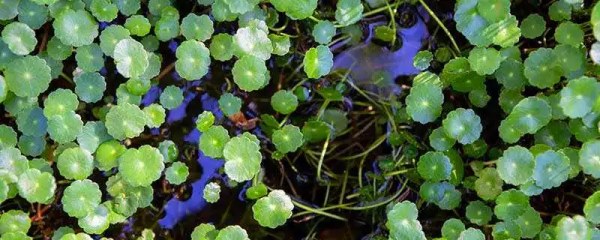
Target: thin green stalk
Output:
{"points": [[322, 108], [435, 17], [324, 209], [398, 172], [344, 183], [322, 157], [373, 146], [63, 75], [317, 211], [378, 204], [380, 9]]}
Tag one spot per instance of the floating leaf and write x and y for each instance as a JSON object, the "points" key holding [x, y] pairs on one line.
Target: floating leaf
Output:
{"points": [[434, 166], [36, 186], [422, 59], [138, 25], [193, 60], [424, 102], [348, 12], [287, 139], [323, 32], [533, 26], [145, 157], [284, 102], [569, 228], [516, 165], [230, 104], [81, 198], [589, 158], [510, 74], [177, 173], [204, 121], [402, 222], [530, 115], [125, 121], [107, 154], [28, 76], [452, 228], [551, 169], [471, 234], [253, 41], [75, 163], [318, 61], [19, 38], [211, 192], [273, 210], [250, 73], [110, 36], [65, 127], [90, 58], [541, 68], [171, 97], [569, 33], [296, 9], [463, 125], [440, 141], [97, 221], [130, 57], [242, 158], [484, 61], [155, 115], [221, 47], [104, 10], [232, 232], [578, 97], [197, 27], [75, 28], [213, 140], [489, 184], [14, 221], [478, 213]]}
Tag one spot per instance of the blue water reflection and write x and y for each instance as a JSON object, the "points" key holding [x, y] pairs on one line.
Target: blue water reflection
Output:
{"points": [[368, 58], [175, 210]]}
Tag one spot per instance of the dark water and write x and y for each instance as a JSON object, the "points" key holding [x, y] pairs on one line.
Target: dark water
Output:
{"points": [[181, 215]]}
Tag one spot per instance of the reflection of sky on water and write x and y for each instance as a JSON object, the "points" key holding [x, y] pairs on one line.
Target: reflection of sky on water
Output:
{"points": [[366, 58], [176, 209]]}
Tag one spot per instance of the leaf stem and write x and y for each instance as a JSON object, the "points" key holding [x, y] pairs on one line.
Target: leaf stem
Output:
{"points": [[165, 71], [378, 204], [322, 157], [318, 211], [435, 17]]}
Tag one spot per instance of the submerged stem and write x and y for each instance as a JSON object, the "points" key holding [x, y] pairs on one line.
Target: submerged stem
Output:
{"points": [[318, 211], [439, 22]]}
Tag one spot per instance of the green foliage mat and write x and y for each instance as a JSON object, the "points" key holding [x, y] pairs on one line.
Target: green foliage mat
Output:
{"points": [[108, 104]]}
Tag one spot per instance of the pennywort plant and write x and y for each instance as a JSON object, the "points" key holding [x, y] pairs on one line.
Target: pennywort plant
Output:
{"points": [[116, 111]]}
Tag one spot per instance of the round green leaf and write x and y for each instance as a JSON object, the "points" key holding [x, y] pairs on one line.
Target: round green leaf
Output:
{"points": [[287, 139], [463, 125], [551, 169], [318, 61], [75, 163], [28, 76], [242, 158], [145, 157], [193, 60], [273, 210], [516, 165], [81, 198]]}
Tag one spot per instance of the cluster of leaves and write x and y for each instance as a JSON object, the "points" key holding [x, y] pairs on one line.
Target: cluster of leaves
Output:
{"points": [[550, 92], [82, 129], [67, 144]]}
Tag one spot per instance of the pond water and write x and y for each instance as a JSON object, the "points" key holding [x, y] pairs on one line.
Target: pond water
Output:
{"points": [[363, 60]]}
